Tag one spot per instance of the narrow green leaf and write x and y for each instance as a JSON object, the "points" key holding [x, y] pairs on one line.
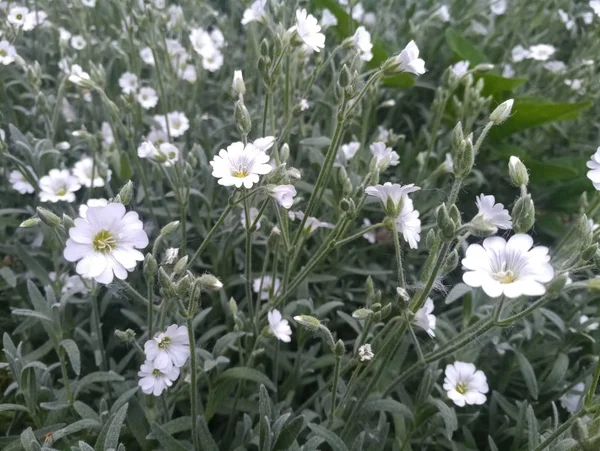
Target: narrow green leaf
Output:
{"points": [[72, 428], [448, 415], [97, 377], [31, 314], [288, 434], [9, 276], [84, 446], [208, 443], [532, 427], [73, 352], [166, 440], [245, 373], [388, 405], [457, 292], [85, 411], [12, 407], [528, 374], [113, 431], [332, 438], [264, 402], [28, 440], [33, 265], [175, 426], [264, 438]]}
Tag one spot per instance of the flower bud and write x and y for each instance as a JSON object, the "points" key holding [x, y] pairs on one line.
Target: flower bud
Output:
{"points": [[502, 112], [242, 118], [208, 282], [310, 322], [284, 152], [465, 158], [347, 206], [385, 311], [339, 348], [480, 68], [583, 232], [402, 294], [517, 172], [67, 221], [445, 223], [164, 280], [126, 193], [451, 262], [125, 335], [233, 308], [482, 227], [183, 285], [455, 215], [589, 252], [31, 222], [369, 288], [344, 78], [362, 313], [238, 86], [345, 181], [169, 228], [264, 48], [263, 69], [149, 268], [48, 218], [523, 214], [430, 238], [180, 266], [558, 283], [457, 135]]}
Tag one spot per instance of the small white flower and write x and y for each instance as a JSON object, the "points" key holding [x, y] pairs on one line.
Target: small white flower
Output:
{"points": [[284, 195], [571, 400], [465, 384], [264, 144], [147, 150], [304, 105], [347, 151], [541, 52], [448, 164], [78, 42], [555, 66], [311, 224], [256, 13], [240, 165], [519, 53], [17, 15], [512, 268], [575, 84], [147, 56], [279, 326], [365, 353], [171, 255], [460, 68], [592, 326], [268, 286], [167, 154], [237, 85], [425, 319], [253, 215], [408, 60], [492, 213], [443, 13], [588, 18], [595, 5], [7, 52], [188, 74], [79, 77], [147, 98], [153, 381], [328, 19], [83, 208], [175, 15], [128, 83], [308, 29], [409, 224], [566, 19], [34, 19], [20, 183], [105, 243], [498, 7], [371, 236], [392, 196], [58, 185], [212, 60], [83, 171], [169, 349], [178, 123], [362, 41], [479, 28], [385, 156], [508, 71]]}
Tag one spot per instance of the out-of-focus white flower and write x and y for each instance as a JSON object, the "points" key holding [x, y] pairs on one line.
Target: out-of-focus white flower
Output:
{"points": [[508, 71], [256, 13], [20, 183], [176, 16], [385, 156], [178, 123], [188, 73], [479, 28], [58, 185], [594, 165], [284, 195], [512, 268], [17, 15], [73, 284], [362, 41], [308, 29], [279, 326], [83, 171], [460, 68], [595, 5], [365, 353], [571, 400], [64, 35], [157, 137], [328, 19], [168, 154], [371, 236], [240, 165], [159, 4], [78, 42], [88, 3], [169, 349], [541, 52], [128, 83], [519, 53], [147, 98], [34, 19], [566, 19], [153, 381], [107, 134], [392, 196], [443, 13], [591, 326], [575, 84], [555, 66], [588, 17], [208, 46], [171, 255], [253, 215], [267, 286], [425, 319], [409, 224], [83, 208], [311, 224], [408, 60], [105, 243], [349, 150], [264, 144], [448, 163], [465, 384], [147, 56], [492, 213], [79, 77], [304, 105], [212, 60], [498, 7], [7, 52]]}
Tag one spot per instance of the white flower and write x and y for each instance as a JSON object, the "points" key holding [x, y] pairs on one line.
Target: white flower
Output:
{"points": [[147, 98], [492, 213], [240, 165], [7, 52], [83, 208], [508, 71], [20, 183], [588, 17], [448, 163], [564, 17], [311, 224], [17, 15], [304, 105], [88, 3], [175, 15], [511, 268], [78, 76], [284, 195], [347, 151], [592, 326], [519, 53], [328, 19], [465, 384], [212, 60], [105, 243], [362, 41], [541, 52], [128, 83], [33, 19], [83, 171], [171, 255], [385, 156], [107, 134], [425, 319], [575, 84], [408, 60], [153, 381], [169, 349], [409, 224], [365, 352], [371, 236], [58, 185], [555, 66], [188, 74], [391, 195], [308, 29], [460, 68], [595, 5], [178, 123], [594, 173], [479, 28], [237, 85], [443, 13], [167, 154], [147, 56], [279, 326], [264, 144], [498, 7], [571, 400], [267, 286], [256, 13], [78, 42], [147, 150], [253, 215]]}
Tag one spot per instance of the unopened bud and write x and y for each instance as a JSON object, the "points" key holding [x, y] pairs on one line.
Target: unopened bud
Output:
{"points": [[284, 152], [455, 215], [584, 232], [67, 221], [558, 283], [48, 218], [181, 265], [362, 313], [502, 112], [402, 294], [480, 68], [183, 286], [310, 322], [233, 308], [242, 118], [264, 48], [344, 78], [165, 283], [369, 288], [523, 214], [339, 348], [580, 433], [208, 282], [125, 335], [169, 228], [465, 158], [31, 222], [517, 172], [457, 135], [451, 262], [430, 238], [238, 86], [149, 268], [445, 223], [126, 193], [347, 205], [589, 252]]}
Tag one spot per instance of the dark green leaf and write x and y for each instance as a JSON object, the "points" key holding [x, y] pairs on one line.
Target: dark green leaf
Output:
{"points": [[528, 374], [332, 438], [288, 434], [463, 48], [245, 373], [448, 415], [73, 352], [166, 440], [208, 443]]}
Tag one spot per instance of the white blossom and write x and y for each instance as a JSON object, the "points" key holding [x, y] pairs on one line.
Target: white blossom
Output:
{"points": [[583, 319], [385, 156], [17, 15], [371, 236], [304, 105], [79, 77], [575, 84], [311, 224], [425, 319], [594, 165], [448, 163], [178, 123], [572, 399], [153, 381], [595, 5], [460, 69], [128, 83], [408, 60], [171, 255], [409, 224], [169, 349], [508, 71], [498, 7], [34, 19], [362, 41], [443, 13], [284, 195], [519, 53], [147, 56], [83, 208], [7, 52], [256, 13], [308, 29], [240, 165], [566, 19], [365, 353], [147, 98], [391, 195], [328, 19], [555, 66], [588, 17], [268, 286], [58, 185], [541, 52], [78, 42], [83, 171], [20, 183], [279, 326], [465, 384], [492, 213]]}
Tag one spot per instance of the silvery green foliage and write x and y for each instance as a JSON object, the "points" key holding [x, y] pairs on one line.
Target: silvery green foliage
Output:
{"points": [[269, 225]]}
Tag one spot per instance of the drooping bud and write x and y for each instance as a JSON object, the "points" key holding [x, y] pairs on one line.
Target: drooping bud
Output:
{"points": [[517, 172], [208, 282], [169, 228], [242, 118], [523, 214], [31, 222], [48, 218], [445, 223], [125, 335], [310, 322], [180, 266], [284, 152], [126, 193], [502, 112], [362, 313]]}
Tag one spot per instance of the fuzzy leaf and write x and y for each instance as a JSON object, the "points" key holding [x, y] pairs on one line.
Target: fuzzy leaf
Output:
{"points": [[463, 48], [245, 373], [528, 374], [9, 276], [109, 438], [166, 440], [448, 415], [73, 352], [12, 407], [208, 443], [288, 434], [332, 438], [533, 435]]}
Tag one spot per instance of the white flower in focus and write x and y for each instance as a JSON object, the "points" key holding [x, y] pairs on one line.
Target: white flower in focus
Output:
{"points": [[128, 83], [279, 326], [443, 13], [78, 42], [575, 84], [362, 41], [541, 52], [571, 400], [328, 19], [33, 19], [58, 185], [147, 98], [147, 56], [365, 353], [555, 66], [83, 171], [256, 13], [508, 71], [385, 156], [492, 213], [592, 326], [594, 165], [425, 319], [7, 52], [498, 7], [408, 60], [83, 208], [308, 29], [409, 224], [19, 182], [267, 286], [284, 195], [512, 268], [391, 195], [566, 19], [253, 215], [240, 165], [460, 68], [17, 15], [105, 243], [371, 236], [519, 53], [169, 349], [595, 5], [465, 384], [153, 381]]}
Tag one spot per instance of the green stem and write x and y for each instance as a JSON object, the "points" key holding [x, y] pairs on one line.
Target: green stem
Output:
{"points": [[212, 231], [150, 308], [589, 397], [248, 265], [276, 367], [65, 374], [336, 378], [98, 330], [193, 375], [398, 249]]}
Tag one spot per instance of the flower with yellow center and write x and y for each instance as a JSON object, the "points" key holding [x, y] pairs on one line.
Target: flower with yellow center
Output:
{"points": [[240, 165], [465, 384], [58, 185]]}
